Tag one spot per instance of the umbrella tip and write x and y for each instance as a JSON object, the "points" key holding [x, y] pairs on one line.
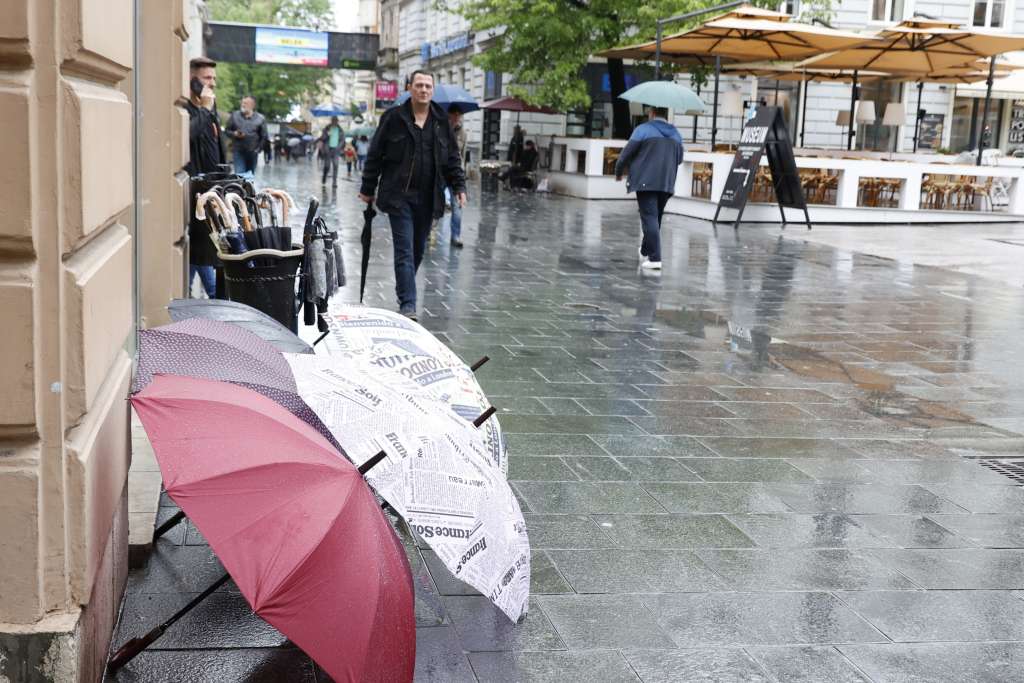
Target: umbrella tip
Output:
{"points": [[483, 416]]}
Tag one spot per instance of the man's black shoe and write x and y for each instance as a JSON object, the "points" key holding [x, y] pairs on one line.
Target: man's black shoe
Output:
{"points": [[457, 243]]}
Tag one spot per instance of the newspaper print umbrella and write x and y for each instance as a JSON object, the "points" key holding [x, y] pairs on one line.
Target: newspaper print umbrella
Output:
{"points": [[438, 475], [403, 349], [294, 524], [215, 350]]}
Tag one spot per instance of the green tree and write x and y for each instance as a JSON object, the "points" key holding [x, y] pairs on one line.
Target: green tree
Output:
{"points": [[546, 43], [276, 87]]}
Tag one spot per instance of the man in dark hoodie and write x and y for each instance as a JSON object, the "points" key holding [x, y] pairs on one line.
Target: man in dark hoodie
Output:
{"points": [[652, 157], [413, 155]]}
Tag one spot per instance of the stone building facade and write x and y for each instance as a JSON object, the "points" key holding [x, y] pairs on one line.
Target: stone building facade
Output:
{"points": [[92, 199]]}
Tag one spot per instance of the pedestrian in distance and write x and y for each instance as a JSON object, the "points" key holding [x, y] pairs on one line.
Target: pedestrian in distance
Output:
{"points": [[268, 151], [206, 154], [455, 221], [249, 130], [331, 140], [350, 156], [515, 145], [651, 157], [519, 174], [412, 157], [362, 148]]}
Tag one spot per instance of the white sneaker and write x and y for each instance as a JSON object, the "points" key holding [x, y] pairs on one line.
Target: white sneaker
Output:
{"points": [[651, 265]]}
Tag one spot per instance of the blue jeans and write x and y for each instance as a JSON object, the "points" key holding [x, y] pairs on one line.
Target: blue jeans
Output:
{"points": [[410, 227], [652, 208], [455, 223], [246, 161], [207, 276]]}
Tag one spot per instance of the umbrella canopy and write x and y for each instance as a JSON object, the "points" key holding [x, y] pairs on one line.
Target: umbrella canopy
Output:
{"points": [[788, 71], [364, 239], [240, 315], [749, 39], [509, 103], [295, 525], [920, 46], [666, 94], [448, 97], [439, 474], [329, 109], [214, 350]]}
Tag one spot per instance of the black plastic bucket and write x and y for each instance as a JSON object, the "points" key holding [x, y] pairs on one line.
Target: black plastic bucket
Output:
{"points": [[265, 280]]}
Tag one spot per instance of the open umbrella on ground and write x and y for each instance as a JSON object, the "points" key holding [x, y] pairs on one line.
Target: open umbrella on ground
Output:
{"points": [[294, 525], [402, 349], [448, 97], [665, 94], [214, 350], [364, 239], [329, 109], [240, 315], [438, 475]]}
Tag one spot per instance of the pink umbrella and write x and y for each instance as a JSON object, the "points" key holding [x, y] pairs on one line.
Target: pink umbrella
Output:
{"points": [[295, 525]]}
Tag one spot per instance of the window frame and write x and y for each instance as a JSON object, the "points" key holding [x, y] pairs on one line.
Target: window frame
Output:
{"points": [[908, 11], [1008, 7]]}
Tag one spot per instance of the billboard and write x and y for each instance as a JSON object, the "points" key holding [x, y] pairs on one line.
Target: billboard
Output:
{"points": [[387, 91], [290, 46]]}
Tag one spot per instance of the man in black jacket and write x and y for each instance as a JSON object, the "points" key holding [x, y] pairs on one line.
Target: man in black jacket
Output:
{"points": [[206, 155], [412, 157]]}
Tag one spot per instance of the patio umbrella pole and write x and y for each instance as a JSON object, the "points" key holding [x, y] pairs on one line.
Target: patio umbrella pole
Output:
{"points": [[133, 647], [803, 112], [714, 108], [917, 114], [853, 105], [695, 118], [776, 103], [984, 111]]}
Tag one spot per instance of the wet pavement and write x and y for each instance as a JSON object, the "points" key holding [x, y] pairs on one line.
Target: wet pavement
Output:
{"points": [[774, 461]]}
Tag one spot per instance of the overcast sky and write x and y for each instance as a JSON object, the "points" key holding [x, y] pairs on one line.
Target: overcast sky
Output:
{"points": [[346, 15]]}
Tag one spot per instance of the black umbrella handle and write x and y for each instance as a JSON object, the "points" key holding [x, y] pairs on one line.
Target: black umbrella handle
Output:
{"points": [[369, 464], [477, 365], [483, 416]]}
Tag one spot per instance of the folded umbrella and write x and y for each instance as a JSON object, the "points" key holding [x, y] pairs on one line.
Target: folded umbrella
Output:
{"points": [[439, 475], [240, 315], [293, 524], [364, 239]]}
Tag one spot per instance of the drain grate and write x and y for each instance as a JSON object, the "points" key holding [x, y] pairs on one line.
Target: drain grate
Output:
{"points": [[1013, 469]]}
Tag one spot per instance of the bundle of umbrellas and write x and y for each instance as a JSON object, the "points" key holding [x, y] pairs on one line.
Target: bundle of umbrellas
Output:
{"points": [[234, 213], [266, 453], [323, 269]]}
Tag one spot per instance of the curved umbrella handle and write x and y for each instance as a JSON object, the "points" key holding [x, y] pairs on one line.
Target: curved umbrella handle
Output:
{"points": [[286, 200], [243, 210], [269, 201], [226, 214], [254, 211]]}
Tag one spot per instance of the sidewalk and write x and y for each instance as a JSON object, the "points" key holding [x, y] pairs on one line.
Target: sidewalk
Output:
{"points": [[766, 464]]}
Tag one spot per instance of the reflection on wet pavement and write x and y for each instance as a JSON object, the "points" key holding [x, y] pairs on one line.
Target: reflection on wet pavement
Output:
{"points": [[758, 464]]}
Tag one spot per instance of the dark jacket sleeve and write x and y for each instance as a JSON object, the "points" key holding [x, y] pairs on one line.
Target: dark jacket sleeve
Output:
{"points": [[626, 156], [199, 122], [455, 176], [375, 157]]}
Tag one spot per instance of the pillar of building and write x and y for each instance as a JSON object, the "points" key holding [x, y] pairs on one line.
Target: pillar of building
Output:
{"points": [[66, 300]]}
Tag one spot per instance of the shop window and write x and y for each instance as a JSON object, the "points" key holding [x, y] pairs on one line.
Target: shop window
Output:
{"points": [[887, 10], [989, 13], [611, 155]]}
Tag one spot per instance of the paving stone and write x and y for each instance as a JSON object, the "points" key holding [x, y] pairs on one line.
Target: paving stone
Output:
{"points": [[911, 531], [672, 531], [604, 621], [975, 662], [745, 470], [986, 531], [439, 657], [578, 666], [482, 627], [254, 665], [861, 498], [739, 619], [709, 665], [958, 569], [756, 447], [807, 664], [801, 569], [593, 497], [977, 497], [720, 498], [567, 424], [551, 444], [565, 531], [634, 571], [791, 530], [539, 468], [664, 446], [921, 616]]}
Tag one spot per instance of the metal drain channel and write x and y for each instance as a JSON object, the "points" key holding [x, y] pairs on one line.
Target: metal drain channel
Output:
{"points": [[1012, 469]]}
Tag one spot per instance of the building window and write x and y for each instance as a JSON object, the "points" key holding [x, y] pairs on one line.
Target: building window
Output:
{"points": [[887, 10], [789, 7], [989, 13]]}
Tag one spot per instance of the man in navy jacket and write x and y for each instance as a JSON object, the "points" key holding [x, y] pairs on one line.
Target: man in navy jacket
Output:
{"points": [[652, 157]]}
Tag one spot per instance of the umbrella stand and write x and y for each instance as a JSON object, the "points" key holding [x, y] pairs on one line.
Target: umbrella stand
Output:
{"points": [[917, 114], [853, 113], [984, 114], [133, 647]]}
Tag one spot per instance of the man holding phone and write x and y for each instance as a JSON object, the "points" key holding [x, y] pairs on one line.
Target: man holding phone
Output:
{"points": [[206, 155]]}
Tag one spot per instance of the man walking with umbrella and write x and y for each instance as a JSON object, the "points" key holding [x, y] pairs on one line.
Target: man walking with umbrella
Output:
{"points": [[413, 155], [652, 157]]}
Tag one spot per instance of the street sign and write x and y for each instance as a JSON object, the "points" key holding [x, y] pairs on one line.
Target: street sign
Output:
{"points": [[765, 133]]}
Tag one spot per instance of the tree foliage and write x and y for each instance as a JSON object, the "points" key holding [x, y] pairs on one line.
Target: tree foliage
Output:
{"points": [[544, 44], [276, 87]]}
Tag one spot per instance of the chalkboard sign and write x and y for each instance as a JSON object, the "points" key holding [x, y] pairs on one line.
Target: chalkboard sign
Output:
{"points": [[765, 133], [930, 135]]}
